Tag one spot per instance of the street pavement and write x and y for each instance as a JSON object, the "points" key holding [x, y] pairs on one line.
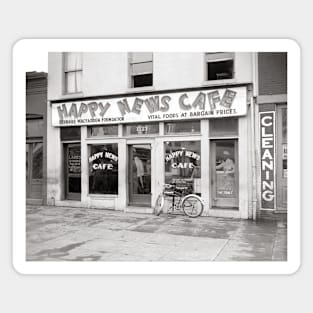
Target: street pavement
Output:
{"points": [[79, 234]]}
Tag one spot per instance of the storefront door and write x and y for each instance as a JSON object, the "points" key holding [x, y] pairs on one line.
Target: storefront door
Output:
{"points": [[34, 170], [72, 171], [224, 174], [282, 158], [139, 174]]}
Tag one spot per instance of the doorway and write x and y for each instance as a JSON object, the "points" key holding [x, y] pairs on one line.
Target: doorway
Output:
{"points": [[34, 170], [139, 175], [224, 174], [72, 164]]}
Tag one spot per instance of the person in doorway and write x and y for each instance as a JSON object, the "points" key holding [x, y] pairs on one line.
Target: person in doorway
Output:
{"points": [[227, 165], [140, 173]]}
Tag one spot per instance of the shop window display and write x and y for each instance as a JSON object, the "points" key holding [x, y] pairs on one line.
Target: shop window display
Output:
{"points": [[183, 164], [103, 169]]}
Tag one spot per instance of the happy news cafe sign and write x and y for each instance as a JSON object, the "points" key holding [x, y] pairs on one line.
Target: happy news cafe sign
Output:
{"points": [[216, 103]]}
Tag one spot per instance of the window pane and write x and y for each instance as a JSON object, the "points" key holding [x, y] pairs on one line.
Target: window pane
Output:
{"points": [[142, 80], [225, 174], [222, 127], [183, 164], [142, 68], [220, 70], [141, 129], [73, 61], [99, 131], [219, 56], [74, 184], [182, 127], [34, 128], [138, 57], [73, 82], [103, 169], [37, 158], [70, 133]]}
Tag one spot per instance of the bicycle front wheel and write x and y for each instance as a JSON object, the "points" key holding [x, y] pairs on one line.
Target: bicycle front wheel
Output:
{"points": [[192, 205], [159, 204]]}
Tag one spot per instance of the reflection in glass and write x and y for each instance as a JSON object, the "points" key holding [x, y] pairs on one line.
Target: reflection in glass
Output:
{"points": [[141, 169], [182, 127], [225, 169], [37, 159], [183, 163]]}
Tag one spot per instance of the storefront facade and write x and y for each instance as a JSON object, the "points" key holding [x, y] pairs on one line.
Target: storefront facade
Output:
{"points": [[36, 130], [113, 145], [272, 128]]}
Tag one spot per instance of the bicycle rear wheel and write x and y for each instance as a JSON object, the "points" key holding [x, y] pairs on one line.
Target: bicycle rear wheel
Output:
{"points": [[159, 204], [192, 205]]}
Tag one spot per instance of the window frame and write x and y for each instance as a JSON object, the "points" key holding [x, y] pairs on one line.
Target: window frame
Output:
{"points": [[131, 75], [66, 71], [101, 143], [219, 59]]}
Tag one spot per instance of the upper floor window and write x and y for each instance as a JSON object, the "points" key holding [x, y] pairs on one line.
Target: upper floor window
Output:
{"points": [[73, 69], [141, 69], [219, 65]]}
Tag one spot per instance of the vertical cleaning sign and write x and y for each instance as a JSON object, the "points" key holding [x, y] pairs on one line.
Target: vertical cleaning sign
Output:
{"points": [[267, 128]]}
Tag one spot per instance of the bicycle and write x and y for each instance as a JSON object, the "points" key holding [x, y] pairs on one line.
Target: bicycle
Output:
{"points": [[188, 203]]}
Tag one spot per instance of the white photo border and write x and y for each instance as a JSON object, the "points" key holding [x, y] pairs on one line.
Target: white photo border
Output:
{"points": [[25, 48]]}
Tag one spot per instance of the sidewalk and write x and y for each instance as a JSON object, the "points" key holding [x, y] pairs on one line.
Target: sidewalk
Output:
{"points": [[78, 234]]}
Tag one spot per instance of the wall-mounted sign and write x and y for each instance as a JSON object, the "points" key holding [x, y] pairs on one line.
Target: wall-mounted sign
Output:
{"points": [[267, 128], [206, 103]]}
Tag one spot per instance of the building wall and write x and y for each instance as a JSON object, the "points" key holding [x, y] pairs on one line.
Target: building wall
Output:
{"points": [[272, 97], [36, 111], [108, 74], [272, 68], [171, 71]]}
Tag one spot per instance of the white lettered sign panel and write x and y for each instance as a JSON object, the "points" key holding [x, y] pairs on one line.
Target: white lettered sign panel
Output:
{"points": [[205, 103]]}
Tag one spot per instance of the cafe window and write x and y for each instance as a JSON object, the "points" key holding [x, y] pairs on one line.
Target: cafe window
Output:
{"points": [[73, 69], [103, 169], [70, 134], [182, 127], [223, 127], [141, 69], [102, 131], [183, 164], [219, 65], [141, 129]]}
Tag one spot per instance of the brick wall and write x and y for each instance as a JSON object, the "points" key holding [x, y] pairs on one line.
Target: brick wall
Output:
{"points": [[272, 69]]}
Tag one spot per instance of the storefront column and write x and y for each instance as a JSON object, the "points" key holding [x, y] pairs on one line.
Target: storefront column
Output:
{"points": [[55, 181], [158, 169], [84, 166], [121, 200], [244, 164], [205, 166]]}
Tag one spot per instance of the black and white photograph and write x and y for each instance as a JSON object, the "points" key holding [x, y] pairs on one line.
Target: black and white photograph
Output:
{"points": [[162, 157]]}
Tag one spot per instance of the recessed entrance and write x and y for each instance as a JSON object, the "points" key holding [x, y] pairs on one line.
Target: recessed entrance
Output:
{"points": [[72, 171], [139, 175], [224, 174]]}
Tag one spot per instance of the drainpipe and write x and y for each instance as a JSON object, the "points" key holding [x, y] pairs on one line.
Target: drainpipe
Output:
{"points": [[253, 137]]}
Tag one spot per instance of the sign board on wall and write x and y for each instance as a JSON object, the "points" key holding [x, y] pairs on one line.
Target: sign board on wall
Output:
{"points": [[206, 103], [267, 129]]}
